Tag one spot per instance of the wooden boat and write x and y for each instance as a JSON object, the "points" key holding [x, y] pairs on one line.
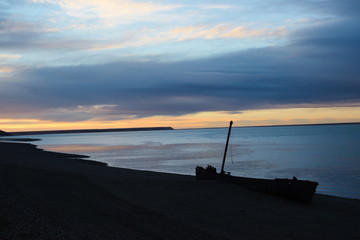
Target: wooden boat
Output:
{"points": [[299, 190]]}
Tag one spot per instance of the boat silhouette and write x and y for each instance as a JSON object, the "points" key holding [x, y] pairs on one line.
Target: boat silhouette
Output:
{"points": [[295, 189]]}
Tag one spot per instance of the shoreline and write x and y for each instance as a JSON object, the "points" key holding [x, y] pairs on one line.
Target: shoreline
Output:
{"points": [[48, 195]]}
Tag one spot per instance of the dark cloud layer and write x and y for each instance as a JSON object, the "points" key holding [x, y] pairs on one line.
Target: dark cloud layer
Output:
{"points": [[321, 65]]}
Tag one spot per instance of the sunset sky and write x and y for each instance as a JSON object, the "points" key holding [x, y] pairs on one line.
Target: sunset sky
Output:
{"points": [[78, 64]]}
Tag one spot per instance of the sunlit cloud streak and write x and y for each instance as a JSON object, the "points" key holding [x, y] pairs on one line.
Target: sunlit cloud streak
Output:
{"points": [[109, 11], [9, 56], [195, 32]]}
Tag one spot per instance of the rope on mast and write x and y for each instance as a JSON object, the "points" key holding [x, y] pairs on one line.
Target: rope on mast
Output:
{"points": [[231, 151]]}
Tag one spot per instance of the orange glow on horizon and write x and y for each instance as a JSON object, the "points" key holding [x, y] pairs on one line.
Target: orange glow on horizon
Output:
{"points": [[266, 117]]}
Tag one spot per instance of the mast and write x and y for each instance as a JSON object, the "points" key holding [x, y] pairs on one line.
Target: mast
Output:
{"points": [[226, 147]]}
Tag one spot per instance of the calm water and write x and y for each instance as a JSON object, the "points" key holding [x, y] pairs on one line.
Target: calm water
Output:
{"points": [[329, 154]]}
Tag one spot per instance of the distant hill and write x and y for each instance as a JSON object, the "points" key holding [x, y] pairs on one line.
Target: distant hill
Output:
{"points": [[2, 133], [92, 130]]}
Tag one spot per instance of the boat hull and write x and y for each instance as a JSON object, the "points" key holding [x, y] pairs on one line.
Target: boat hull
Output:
{"points": [[299, 190]]}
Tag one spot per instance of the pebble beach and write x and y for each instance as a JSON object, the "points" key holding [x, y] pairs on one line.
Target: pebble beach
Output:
{"points": [[48, 195]]}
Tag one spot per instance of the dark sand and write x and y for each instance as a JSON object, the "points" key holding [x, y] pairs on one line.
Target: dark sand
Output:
{"points": [[46, 195]]}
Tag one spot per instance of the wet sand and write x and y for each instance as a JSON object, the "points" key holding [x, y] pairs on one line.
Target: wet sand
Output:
{"points": [[45, 195]]}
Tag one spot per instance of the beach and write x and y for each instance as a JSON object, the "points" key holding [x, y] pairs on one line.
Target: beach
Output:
{"points": [[47, 195]]}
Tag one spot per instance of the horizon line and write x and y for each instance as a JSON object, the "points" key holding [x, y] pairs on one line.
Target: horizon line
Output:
{"points": [[67, 131]]}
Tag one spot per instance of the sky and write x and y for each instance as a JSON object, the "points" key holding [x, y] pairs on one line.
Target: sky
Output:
{"points": [[80, 64]]}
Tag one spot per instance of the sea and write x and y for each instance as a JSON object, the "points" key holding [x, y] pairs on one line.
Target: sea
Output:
{"points": [[328, 154]]}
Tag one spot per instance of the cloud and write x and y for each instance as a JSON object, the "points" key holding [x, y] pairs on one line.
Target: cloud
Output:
{"points": [[344, 8], [80, 25], [10, 56], [13, 33], [71, 25], [42, 38], [217, 6], [5, 63], [6, 69], [109, 10], [24, 38], [320, 67], [8, 26], [222, 31], [188, 33]]}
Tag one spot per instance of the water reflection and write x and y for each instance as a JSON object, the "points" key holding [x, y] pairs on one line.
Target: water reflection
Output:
{"points": [[327, 154]]}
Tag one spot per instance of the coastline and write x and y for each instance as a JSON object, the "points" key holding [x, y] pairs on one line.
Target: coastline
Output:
{"points": [[48, 195], [90, 131]]}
